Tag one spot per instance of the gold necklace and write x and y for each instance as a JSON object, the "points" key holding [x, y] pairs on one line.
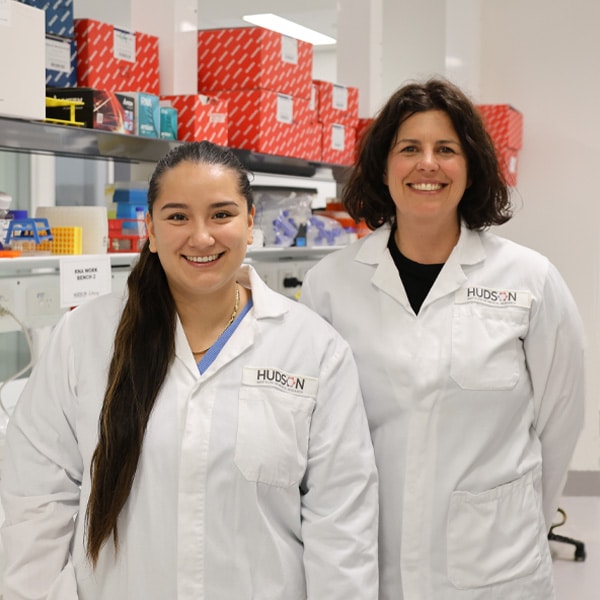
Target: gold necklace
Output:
{"points": [[231, 319]]}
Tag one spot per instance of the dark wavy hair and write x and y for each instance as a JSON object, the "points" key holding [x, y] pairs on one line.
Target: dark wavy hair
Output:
{"points": [[485, 202], [144, 349]]}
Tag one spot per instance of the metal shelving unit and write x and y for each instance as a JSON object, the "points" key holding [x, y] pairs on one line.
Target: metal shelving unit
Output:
{"points": [[38, 137]]}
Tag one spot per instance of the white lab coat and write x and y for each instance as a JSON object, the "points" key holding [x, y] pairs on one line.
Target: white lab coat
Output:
{"points": [[465, 402], [256, 480]]}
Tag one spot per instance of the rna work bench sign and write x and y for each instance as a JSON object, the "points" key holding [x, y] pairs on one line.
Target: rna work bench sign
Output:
{"points": [[82, 278]]}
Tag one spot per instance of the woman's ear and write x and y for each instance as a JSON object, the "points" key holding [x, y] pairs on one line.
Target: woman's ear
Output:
{"points": [[150, 230], [251, 214]]}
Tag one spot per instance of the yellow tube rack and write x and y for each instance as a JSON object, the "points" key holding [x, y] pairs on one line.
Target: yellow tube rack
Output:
{"points": [[72, 104]]}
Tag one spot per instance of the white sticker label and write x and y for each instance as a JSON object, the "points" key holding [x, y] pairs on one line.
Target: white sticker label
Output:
{"points": [[289, 50], [340, 97], [124, 45], [58, 55], [276, 378], [217, 118], [82, 278], [337, 137], [285, 109], [493, 297]]}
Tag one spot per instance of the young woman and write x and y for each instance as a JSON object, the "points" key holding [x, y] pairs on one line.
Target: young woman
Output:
{"points": [[203, 437], [470, 354]]}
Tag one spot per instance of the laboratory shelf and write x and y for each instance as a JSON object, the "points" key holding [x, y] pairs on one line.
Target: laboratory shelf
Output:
{"points": [[291, 253], [46, 263], [51, 262], [38, 137]]}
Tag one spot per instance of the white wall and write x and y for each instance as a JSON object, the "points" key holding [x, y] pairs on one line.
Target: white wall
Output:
{"points": [[542, 57], [325, 64]]}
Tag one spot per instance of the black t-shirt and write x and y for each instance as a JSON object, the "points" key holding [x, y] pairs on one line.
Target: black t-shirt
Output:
{"points": [[416, 277]]}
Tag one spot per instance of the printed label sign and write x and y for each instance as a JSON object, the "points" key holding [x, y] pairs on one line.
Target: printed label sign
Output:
{"points": [[82, 278], [124, 45], [58, 55]]}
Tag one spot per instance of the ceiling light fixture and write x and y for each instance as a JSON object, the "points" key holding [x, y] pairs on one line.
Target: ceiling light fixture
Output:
{"points": [[289, 28]]}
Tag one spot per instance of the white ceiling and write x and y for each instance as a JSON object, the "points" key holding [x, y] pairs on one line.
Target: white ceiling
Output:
{"points": [[320, 15]]}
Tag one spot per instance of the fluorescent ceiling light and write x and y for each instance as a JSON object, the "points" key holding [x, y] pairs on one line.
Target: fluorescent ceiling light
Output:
{"points": [[289, 28]]}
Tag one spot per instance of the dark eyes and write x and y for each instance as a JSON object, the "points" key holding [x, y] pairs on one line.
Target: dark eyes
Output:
{"points": [[222, 214], [414, 149], [408, 149], [219, 216], [176, 217]]}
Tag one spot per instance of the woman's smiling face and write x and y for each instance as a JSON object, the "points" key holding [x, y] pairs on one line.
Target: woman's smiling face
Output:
{"points": [[200, 227], [426, 171]]}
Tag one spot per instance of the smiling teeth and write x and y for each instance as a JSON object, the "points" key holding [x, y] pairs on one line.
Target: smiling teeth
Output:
{"points": [[427, 187], [202, 259]]}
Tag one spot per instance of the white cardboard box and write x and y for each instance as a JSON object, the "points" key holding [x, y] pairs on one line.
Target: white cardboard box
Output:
{"points": [[22, 61]]}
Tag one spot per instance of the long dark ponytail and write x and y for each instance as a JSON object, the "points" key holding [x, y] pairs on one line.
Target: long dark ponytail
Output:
{"points": [[144, 349]]}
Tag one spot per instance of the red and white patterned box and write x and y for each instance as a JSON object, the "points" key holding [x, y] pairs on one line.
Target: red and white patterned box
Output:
{"points": [[504, 123], [509, 162], [308, 142], [200, 117], [265, 121], [361, 128], [339, 144], [248, 58], [336, 103], [146, 76], [313, 113], [113, 59]]}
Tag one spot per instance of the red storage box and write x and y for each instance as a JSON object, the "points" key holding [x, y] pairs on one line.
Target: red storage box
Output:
{"points": [[247, 58], [308, 142], [126, 235], [339, 144], [146, 75], [361, 127], [505, 124], [509, 161], [113, 59], [265, 122], [200, 117], [336, 103]]}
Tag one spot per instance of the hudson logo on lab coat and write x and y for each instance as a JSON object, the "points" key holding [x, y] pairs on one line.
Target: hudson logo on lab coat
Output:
{"points": [[290, 382], [493, 297]]}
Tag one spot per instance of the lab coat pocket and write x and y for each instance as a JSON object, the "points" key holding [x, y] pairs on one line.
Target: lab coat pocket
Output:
{"points": [[486, 349], [493, 536], [272, 435]]}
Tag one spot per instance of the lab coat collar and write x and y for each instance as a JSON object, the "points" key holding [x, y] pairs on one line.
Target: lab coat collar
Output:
{"points": [[374, 246], [469, 248], [468, 251], [374, 252], [266, 304]]}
